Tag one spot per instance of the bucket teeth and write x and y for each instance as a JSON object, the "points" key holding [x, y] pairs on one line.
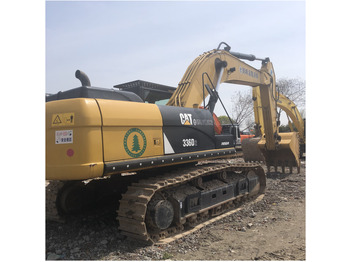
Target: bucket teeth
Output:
{"points": [[287, 154], [285, 165]]}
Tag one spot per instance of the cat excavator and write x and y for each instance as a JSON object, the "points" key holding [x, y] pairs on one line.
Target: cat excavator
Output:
{"points": [[169, 164]]}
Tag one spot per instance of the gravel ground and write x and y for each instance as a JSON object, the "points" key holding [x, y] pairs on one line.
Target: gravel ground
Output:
{"points": [[272, 229]]}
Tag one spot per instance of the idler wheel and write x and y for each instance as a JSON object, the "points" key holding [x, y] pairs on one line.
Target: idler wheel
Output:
{"points": [[161, 214]]}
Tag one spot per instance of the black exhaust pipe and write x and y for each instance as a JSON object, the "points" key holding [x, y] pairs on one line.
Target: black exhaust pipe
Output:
{"points": [[85, 81]]}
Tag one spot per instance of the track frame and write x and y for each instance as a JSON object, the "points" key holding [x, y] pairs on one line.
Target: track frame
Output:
{"points": [[132, 213]]}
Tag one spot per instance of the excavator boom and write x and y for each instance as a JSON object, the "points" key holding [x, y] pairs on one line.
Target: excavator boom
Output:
{"points": [[216, 66], [209, 70], [293, 113]]}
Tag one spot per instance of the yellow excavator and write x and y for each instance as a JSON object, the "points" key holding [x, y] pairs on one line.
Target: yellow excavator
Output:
{"points": [[294, 117], [252, 153], [166, 162]]}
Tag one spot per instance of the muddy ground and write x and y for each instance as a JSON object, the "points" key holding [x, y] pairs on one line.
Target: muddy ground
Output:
{"points": [[272, 229]]}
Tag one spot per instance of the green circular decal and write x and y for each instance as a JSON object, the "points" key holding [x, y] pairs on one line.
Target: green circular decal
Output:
{"points": [[135, 142]]}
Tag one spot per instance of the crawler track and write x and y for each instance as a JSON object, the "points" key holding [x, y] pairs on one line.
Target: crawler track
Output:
{"points": [[134, 216], [54, 190], [189, 190]]}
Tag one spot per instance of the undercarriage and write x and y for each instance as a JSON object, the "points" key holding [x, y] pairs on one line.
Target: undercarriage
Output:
{"points": [[165, 206]]}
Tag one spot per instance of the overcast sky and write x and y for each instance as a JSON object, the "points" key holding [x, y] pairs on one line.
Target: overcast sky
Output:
{"points": [[118, 42]]}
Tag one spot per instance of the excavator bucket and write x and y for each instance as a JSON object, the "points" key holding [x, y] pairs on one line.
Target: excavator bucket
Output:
{"points": [[286, 154], [251, 150]]}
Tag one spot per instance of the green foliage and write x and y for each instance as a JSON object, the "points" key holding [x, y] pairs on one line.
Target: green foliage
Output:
{"points": [[285, 128], [224, 120]]}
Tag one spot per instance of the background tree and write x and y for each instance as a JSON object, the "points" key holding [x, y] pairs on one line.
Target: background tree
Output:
{"points": [[286, 128], [242, 109], [242, 103], [224, 120], [294, 89]]}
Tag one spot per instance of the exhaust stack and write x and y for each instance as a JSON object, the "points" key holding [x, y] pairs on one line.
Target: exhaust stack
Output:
{"points": [[85, 81]]}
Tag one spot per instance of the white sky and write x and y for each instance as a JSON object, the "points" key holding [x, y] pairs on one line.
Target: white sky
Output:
{"points": [[118, 42]]}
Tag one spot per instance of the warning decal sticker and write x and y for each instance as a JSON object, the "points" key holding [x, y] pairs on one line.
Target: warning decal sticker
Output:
{"points": [[66, 119], [64, 137]]}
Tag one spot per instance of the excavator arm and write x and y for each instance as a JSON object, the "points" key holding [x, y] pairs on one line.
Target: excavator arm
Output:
{"points": [[204, 76], [289, 107]]}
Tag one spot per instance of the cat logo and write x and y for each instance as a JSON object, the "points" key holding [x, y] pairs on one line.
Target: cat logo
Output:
{"points": [[186, 119]]}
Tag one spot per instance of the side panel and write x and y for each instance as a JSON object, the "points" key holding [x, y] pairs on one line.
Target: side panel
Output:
{"points": [[130, 130], [187, 130], [73, 139]]}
